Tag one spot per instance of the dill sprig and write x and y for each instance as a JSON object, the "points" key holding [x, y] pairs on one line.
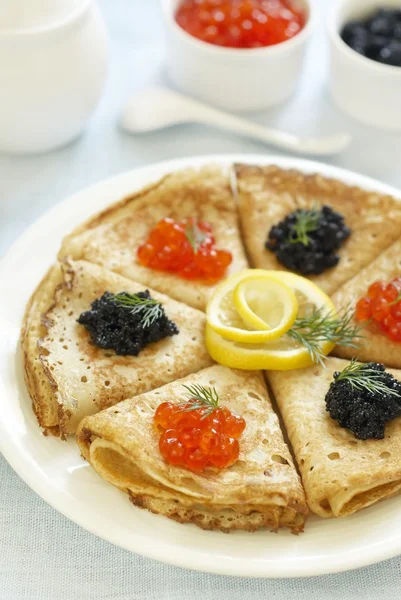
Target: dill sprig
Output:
{"points": [[194, 235], [149, 309], [321, 326], [307, 221], [396, 300], [363, 378], [204, 397]]}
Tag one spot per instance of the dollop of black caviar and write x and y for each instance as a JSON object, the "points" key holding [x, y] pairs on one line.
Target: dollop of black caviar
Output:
{"points": [[377, 37], [114, 327], [363, 412], [319, 253]]}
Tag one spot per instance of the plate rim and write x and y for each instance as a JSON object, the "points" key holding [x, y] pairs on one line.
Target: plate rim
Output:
{"points": [[185, 557]]}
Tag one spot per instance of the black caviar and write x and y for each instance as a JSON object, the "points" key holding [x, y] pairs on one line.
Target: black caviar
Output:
{"points": [[306, 241], [377, 37], [113, 326], [362, 411]]}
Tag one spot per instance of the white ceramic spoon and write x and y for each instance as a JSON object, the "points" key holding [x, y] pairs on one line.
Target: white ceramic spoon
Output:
{"points": [[156, 107]]}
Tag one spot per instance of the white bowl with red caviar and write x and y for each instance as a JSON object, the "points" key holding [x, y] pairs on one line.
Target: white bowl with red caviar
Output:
{"points": [[232, 78]]}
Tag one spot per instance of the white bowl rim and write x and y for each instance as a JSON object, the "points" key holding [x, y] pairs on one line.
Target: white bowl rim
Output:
{"points": [[334, 33], [243, 52], [58, 24]]}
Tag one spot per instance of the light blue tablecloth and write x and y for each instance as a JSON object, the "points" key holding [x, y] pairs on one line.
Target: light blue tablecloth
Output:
{"points": [[43, 556]]}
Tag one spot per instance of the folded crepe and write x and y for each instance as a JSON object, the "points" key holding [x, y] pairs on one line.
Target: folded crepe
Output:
{"points": [[112, 237], [268, 194], [262, 489], [67, 376], [374, 346], [340, 473]]}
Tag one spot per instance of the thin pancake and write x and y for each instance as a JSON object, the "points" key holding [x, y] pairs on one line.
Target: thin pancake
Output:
{"points": [[43, 400], [340, 473], [112, 237], [375, 346], [261, 489], [268, 194], [68, 377]]}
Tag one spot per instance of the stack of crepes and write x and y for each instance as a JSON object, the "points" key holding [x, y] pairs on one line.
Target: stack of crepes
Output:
{"points": [[70, 380]]}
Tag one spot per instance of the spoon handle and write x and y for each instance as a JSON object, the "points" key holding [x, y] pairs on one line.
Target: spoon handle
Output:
{"points": [[317, 146]]}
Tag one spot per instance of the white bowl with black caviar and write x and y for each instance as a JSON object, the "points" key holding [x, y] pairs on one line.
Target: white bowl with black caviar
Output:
{"points": [[365, 60]]}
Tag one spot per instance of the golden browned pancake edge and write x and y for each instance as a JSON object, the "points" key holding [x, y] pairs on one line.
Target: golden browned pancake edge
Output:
{"points": [[268, 194], [262, 489], [374, 346], [68, 377], [112, 237], [341, 474]]}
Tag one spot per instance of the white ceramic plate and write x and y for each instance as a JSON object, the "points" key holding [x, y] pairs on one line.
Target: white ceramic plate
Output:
{"points": [[56, 472]]}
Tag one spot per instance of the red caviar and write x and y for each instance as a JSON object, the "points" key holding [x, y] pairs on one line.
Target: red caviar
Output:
{"points": [[185, 247], [382, 306], [191, 440], [240, 23]]}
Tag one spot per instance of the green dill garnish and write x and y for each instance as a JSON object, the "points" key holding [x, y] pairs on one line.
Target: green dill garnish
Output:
{"points": [[194, 235], [321, 326], [149, 309], [204, 397], [363, 378], [396, 300], [307, 221]]}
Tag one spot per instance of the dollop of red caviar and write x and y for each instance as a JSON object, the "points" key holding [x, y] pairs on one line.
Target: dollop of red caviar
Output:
{"points": [[194, 441], [240, 23], [382, 306], [185, 247]]}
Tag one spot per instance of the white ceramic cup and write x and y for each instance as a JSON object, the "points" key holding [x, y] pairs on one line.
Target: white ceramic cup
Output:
{"points": [[230, 78], [53, 65], [367, 90]]}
